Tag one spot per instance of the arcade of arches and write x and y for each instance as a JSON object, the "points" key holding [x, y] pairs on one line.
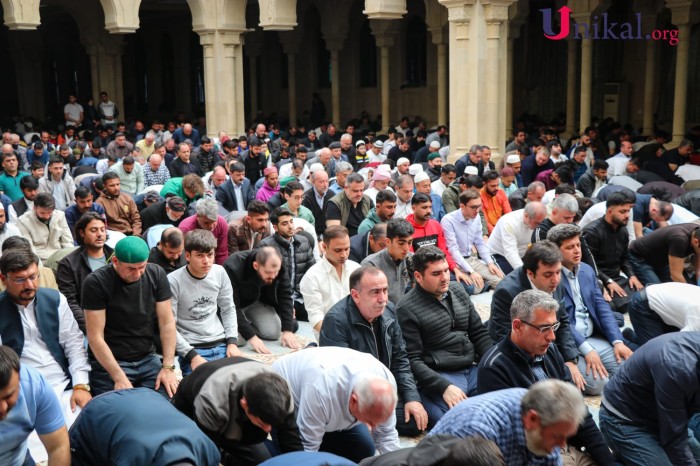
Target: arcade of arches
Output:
{"points": [[472, 64]]}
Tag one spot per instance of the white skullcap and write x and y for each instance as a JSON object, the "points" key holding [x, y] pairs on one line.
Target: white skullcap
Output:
{"points": [[471, 170], [515, 158], [415, 169], [316, 167], [422, 176], [402, 160]]}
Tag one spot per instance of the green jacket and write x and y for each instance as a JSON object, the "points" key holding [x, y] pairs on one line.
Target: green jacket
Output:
{"points": [[368, 223]]}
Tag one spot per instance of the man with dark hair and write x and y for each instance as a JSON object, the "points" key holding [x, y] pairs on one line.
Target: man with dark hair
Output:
{"points": [[262, 293], [327, 281], [120, 147], [237, 402], [184, 164], [365, 321], [293, 193], [29, 404], [130, 174], [595, 332], [296, 250], [169, 212], [593, 179], [45, 227], [30, 188], [189, 188], [121, 304], [533, 164], [92, 254], [393, 260], [541, 270], [526, 355], [448, 174], [202, 302], [607, 239], [350, 207], [121, 211], [38, 325], [463, 232], [7, 230], [206, 155], [58, 183], [247, 232], [660, 256], [457, 336], [383, 211], [316, 199], [254, 160], [493, 199], [471, 159], [168, 252], [11, 176], [83, 204], [236, 192]]}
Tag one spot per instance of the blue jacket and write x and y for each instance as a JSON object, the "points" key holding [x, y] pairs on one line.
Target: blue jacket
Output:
{"points": [[529, 169], [598, 308], [179, 136], [226, 196], [138, 426]]}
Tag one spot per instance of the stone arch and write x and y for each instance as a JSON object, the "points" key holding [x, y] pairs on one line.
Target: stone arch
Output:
{"points": [[121, 16], [210, 15]]}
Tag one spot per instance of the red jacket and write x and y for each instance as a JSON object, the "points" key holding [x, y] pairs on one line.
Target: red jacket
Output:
{"points": [[430, 234]]}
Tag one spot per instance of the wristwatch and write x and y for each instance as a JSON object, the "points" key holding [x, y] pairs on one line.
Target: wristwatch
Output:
{"points": [[82, 386], [610, 280], [168, 368]]}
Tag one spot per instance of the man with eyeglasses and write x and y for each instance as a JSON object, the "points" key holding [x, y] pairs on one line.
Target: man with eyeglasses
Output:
{"points": [[595, 331], [541, 270], [38, 324], [527, 356], [462, 229]]}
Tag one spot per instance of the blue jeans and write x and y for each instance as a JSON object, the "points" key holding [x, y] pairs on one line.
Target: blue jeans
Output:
{"points": [[142, 373], [354, 444], [468, 288], [210, 354], [647, 274], [637, 445], [435, 406], [647, 323]]}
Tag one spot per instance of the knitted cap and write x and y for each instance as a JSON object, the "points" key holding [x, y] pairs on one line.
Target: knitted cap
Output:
{"points": [[131, 250]]}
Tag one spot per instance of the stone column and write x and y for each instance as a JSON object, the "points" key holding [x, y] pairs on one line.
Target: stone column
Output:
{"points": [[586, 82], [334, 45], [495, 14], [439, 38], [291, 42], [680, 16], [212, 99], [383, 31], [459, 17], [240, 96], [571, 72], [253, 49], [229, 111], [26, 51]]}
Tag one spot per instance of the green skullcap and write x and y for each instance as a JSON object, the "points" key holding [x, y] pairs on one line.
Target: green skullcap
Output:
{"points": [[131, 250], [286, 180]]}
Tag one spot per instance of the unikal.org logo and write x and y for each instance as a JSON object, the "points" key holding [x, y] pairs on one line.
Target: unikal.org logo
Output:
{"points": [[601, 28]]}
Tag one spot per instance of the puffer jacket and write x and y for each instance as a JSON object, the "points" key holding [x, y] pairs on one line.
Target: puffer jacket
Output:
{"points": [[303, 255]]}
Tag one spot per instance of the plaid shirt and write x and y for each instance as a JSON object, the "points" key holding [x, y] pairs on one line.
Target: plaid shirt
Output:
{"points": [[495, 416], [240, 237], [158, 177]]}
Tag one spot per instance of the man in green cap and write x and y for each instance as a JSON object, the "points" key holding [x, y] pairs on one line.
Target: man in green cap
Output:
{"points": [[121, 303]]}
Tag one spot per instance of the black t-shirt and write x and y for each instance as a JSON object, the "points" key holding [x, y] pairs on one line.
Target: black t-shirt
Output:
{"points": [[130, 309], [355, 216], [673, 240]]}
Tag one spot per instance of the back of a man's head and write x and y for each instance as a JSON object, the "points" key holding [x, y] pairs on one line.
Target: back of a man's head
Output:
{"points": [[268, 397], [9, 364], [475, 451], [542, 252]]}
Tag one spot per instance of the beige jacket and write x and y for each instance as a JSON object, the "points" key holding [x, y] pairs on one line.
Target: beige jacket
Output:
{"points": [[46, 239]]}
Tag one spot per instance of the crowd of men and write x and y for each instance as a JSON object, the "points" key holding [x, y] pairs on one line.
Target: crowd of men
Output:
{"points": [[129, 254]]}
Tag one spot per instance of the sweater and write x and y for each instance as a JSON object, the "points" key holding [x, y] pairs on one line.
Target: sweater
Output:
{"points": [[196, 303], [122, 213], [46, 239]]}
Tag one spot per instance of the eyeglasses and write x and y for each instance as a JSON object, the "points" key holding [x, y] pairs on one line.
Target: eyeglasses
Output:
{"points": [[23, 280], [544, 328]]}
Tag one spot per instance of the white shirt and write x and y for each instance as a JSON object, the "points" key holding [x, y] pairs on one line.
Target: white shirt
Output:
{"points": [[437, 187], [321, 288], [321, 381], [73, 111], [617, 165], [13, 213], [402, 210], [10, 230], [598, 210], [681, 215], [286, 170], [37, 355], [688, 172], [677, 304], [511, 237]]}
